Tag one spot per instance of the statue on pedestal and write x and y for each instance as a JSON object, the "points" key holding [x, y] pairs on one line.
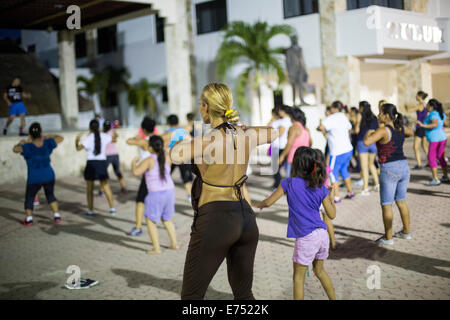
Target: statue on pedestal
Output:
{"points": [[296, 69]]}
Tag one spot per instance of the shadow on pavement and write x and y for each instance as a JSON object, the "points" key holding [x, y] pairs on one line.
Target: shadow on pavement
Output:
{"points": [[24, 290], [81, 231], [358, 247], [427, 191], [283, 241], [136, 279]]}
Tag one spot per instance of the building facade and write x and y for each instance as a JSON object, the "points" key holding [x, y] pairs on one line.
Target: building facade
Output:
{"points": [[353, 49]]}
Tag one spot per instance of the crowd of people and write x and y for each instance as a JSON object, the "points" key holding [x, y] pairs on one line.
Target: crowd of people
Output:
{"points": [[224, 224]]}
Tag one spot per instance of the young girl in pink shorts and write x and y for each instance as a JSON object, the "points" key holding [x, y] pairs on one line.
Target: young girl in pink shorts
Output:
{"points": [[306, 192]]}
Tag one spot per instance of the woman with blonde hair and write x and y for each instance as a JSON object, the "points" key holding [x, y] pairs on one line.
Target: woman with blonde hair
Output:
{"points": [[224, 223]]}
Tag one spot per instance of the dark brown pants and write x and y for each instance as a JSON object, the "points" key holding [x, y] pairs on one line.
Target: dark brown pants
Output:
{"points": [[222, 229]]}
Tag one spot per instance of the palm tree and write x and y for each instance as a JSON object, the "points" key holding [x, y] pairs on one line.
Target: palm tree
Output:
{"points": [[250, 44], [141, 95], [90, 87]]}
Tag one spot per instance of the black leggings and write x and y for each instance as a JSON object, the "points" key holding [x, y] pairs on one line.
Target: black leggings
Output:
{"points": [[185, 172], [222, 229], [32, 190], [114, 160]]}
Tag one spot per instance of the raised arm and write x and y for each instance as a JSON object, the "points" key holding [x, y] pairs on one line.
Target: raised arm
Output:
{"points": [[373, 136], [263, 134], [144, 165], [58, 139], [432, 125], [78, 146], [138, 141], [18, 147]]}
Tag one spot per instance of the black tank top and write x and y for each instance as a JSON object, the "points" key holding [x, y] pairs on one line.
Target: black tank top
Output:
{"points": [[393, 150]]}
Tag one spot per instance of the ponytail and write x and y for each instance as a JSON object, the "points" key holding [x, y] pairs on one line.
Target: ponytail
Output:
{"points": [[437, 106], [398, 122], [394, 115], [94, 127], [157, 144]]}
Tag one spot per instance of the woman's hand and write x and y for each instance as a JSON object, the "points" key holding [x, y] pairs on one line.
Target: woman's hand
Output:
{"points": [[260, 204], [281, 160], [332, 190], [420, 123], [136, 159]]}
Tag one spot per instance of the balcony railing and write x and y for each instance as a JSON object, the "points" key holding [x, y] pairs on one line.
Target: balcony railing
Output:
{"points": [[378, 30]]}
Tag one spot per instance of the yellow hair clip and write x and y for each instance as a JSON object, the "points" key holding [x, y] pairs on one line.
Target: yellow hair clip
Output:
{"points": [[229, 112]]}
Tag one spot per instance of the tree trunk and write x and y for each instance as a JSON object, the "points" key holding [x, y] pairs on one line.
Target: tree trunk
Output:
{"points": [[258, 90]]}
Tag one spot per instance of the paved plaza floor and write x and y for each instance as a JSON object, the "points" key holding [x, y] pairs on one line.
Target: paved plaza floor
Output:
{"points": [[33, 260]]}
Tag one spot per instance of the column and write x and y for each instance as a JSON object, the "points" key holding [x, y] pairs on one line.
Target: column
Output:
{"points": [[411, 78], [67, 79], [341, 75], [180, 60]]}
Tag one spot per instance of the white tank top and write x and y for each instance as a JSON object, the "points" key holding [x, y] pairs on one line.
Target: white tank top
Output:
{"points": [[144, 154]]}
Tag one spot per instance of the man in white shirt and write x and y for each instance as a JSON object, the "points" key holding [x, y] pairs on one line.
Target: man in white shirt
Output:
{"points": [[282, 122], [337, 128]]}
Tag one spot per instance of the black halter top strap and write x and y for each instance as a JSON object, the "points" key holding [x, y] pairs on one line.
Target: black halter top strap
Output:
{"points": [[198, 181]]}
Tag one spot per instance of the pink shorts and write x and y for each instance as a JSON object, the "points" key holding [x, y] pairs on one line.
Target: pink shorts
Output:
{"points": [[312, 247]]}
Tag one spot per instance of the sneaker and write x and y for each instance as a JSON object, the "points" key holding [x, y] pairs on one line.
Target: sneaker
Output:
{"points": [[27, 222], [350, 195], [376, 188], [112, 211], [57, 219], [101, 195], [365, 192], [445, 180], [418, 167], [84, 284], [434, 183], [36, 203], [135, 232], [383, 241], [403, 235], [5, 132], [90, 214], [337, 200], [359, 183], [123, 191], [189, 199]]}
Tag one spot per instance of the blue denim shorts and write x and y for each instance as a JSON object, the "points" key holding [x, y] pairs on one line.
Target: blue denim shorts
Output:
{"points": [[394, 180], [362, 148]]}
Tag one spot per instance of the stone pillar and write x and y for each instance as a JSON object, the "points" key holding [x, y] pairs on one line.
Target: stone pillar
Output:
{"points": [[411, 78], [417, 5], [67, 79], [341, 75], [180, 61], [90, 47]]}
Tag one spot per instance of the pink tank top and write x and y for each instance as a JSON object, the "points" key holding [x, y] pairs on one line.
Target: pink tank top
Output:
{"points": [[153, 179], [301, 141], [111, 148]]}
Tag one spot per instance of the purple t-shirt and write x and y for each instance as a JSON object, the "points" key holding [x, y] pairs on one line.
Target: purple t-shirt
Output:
{"points": [[304, 207]]}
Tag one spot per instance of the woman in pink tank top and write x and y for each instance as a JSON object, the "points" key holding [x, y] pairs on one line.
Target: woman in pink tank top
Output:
{"points": [[112, 156], [160, 200], [298, 136]]}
